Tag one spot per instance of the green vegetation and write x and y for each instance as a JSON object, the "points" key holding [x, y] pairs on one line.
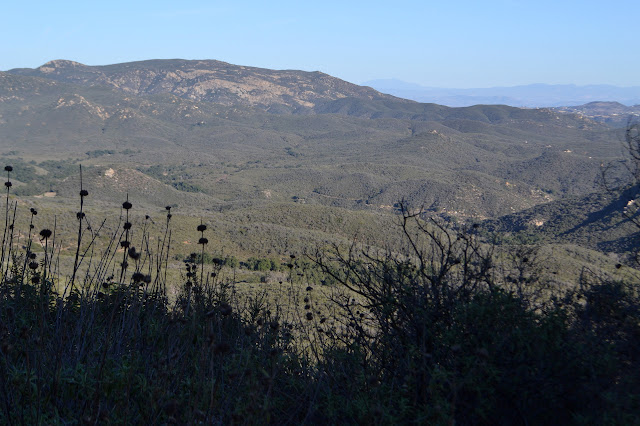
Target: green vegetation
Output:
{"points": [[439, 327], [262, 268], [365, 151]]}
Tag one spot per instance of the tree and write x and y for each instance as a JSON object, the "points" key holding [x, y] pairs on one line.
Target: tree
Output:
{"points": [[622, 179], [632, 146]]}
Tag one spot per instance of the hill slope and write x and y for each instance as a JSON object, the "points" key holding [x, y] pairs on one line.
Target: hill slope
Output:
{"points": [[359, 150], [210, 81]]}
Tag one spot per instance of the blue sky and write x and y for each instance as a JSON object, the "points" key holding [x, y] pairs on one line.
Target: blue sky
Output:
{"points": [[442, 43]]}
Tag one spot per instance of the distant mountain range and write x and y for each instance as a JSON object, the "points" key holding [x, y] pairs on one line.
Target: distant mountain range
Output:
{"points": [[530, 96]]}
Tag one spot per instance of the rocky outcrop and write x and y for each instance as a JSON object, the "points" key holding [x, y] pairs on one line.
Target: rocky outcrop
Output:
{"points": [[211, 81]]}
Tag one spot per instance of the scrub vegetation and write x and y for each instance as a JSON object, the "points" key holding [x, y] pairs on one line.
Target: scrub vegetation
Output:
{"points": [[442, 325], [247, 246]]}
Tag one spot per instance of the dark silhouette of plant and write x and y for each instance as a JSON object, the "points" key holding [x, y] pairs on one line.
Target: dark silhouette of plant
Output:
{"points": [[434, 332], [632, 146], [80, 216], [4, 250]]}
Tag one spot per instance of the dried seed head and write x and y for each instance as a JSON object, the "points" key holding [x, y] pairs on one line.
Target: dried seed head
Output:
{"points": [[202, 228], [8, 184], [126, 205], [309, 316], [127, 225], [33, 265], [45, 233], [137, 277], [80, 215], [124, 244], [203, 241], [33, 211], [133, 253], [8, 168], [84, 193]]}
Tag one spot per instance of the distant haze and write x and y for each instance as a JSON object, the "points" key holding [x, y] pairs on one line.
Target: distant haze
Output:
{"points": [[532, 95]]}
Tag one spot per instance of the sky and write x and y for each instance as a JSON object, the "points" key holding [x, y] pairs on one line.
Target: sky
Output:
{"points": [[453, 44]]}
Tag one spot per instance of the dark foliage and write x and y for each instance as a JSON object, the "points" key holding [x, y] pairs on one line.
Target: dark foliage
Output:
{"points": [[431, 330]]}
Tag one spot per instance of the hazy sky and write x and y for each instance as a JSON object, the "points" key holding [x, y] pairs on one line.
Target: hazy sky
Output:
{"points": [[433, 43]]}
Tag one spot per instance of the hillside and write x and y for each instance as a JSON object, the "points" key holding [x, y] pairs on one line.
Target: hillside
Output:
{"points": [[275, 249], [354, 147], [611, 113], [162, 132], [595, 221], [210, 81]]}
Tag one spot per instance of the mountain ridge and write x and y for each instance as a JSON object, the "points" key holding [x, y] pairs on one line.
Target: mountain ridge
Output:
{"points": [[362, 150], [210, 81]]}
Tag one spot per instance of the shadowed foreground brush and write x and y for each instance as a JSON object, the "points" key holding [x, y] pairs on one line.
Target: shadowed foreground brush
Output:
{"points": [[428, 331], [121, 351]]}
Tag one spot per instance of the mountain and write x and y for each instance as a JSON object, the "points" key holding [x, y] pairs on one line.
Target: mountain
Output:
{"points": [[327, 142], [210, 81], [531, 96]]}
